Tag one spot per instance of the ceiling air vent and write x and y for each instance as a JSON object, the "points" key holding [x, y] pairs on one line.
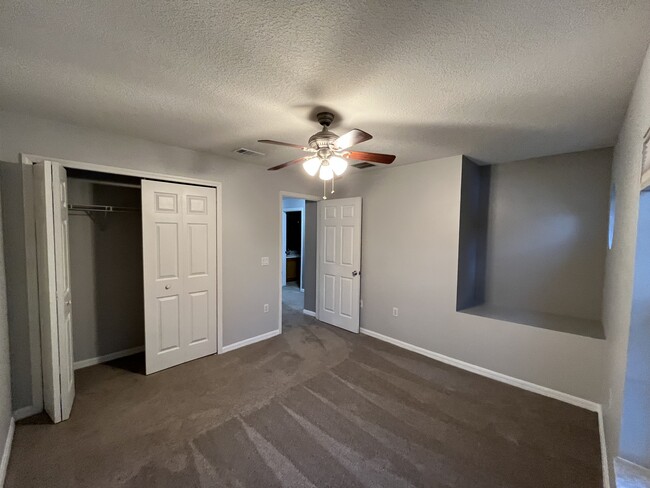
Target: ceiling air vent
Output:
{"points": [[248, 152], [363, 165]]}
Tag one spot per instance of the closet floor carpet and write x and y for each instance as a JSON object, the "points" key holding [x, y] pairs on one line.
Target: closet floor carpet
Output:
{"points": [[314, 407]]}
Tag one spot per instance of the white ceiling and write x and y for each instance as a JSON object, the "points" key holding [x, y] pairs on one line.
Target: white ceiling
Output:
{"points": [[498, 80]]}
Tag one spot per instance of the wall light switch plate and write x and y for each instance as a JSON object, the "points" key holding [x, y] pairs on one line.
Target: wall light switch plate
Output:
{"points": [[395, 311], [266, 307], [265, 261]]}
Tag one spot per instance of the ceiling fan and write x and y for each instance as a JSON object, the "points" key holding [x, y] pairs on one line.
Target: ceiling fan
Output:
{"points": [[329, 152]]}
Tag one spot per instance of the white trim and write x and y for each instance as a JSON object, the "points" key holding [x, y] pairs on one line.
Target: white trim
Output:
{"points": [[252, 340], [7, 451], [524, 385], [603, 447], [28, 411], [288, 194], [219, 268], [309, 312], [84, 363], [116, 170]]}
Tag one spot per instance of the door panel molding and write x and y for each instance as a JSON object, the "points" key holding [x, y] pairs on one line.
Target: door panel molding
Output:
{"points": [[339, 262], [174, 313]]}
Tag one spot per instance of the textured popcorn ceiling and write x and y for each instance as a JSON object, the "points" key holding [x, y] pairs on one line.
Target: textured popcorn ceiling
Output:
{"points": [[498, 80]]}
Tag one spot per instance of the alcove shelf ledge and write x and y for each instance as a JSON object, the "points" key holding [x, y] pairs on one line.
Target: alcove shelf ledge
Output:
{"points": [[543, 320]]}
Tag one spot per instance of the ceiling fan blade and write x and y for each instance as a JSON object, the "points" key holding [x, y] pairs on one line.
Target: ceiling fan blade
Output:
{"points": [[370, 157], [278, 143], [355, 136], [290, 163]]}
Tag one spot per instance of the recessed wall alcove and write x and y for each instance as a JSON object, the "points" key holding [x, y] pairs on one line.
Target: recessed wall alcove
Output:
{"points": [[533, 239]]}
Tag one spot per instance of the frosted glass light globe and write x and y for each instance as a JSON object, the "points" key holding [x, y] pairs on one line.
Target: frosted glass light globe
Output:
{"points": [[339, 165], [311, 166], [326, 172]]}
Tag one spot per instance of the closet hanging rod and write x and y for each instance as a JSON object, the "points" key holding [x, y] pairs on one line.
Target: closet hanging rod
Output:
{"points": [[102, 208]]}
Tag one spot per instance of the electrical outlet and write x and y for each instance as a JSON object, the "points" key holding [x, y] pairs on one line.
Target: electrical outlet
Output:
{"points": [[266, 307], [395, 311], [265, 261]]}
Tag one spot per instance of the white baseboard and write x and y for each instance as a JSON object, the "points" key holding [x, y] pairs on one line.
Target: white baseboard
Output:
{"points": [[603, 448], [309, 312], [488, 373], [84, 363], [7, 451], [24, 412], [252, 340]]}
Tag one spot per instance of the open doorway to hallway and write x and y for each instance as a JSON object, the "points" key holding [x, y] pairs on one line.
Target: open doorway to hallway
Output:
{"points": [[298, 261]]}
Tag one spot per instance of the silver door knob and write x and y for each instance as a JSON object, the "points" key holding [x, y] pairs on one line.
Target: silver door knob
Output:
{"points": [[355, 272]]}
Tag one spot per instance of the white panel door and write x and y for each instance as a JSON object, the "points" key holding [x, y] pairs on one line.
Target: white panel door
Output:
{"points": [[179, 229], [51, 210], [339, 262], [63, 293]]}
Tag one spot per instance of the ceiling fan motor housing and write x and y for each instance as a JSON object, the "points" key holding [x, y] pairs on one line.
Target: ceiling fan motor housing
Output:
{"points": [[323, 139]]}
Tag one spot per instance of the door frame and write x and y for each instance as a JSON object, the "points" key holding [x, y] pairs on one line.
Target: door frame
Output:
{"points": [[302, 196], [31, 247]]}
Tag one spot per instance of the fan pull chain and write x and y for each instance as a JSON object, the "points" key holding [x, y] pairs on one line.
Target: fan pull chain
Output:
{"points": [[332, 186], [324, 189]]}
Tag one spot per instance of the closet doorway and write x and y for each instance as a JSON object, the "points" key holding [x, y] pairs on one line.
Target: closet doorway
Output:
{"points": [[126, 263]]}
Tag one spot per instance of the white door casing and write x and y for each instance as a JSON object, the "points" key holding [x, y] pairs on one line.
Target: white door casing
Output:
{"points": [[284, 249], [180, 273], [339, 262], [51, 211]]}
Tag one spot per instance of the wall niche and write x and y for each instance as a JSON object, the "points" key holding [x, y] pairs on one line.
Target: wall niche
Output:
{"points": [[533, 239]]}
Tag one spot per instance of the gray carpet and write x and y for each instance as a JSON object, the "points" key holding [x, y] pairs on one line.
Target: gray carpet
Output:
{"points": [[314, 407], [293, 297]]}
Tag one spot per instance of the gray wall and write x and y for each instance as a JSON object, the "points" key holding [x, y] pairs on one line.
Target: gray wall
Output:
{"points": [[5, 377], [635, 429], [547, 234], [14, 249], [251, 225], [619, 271], [472, 246], [413, 211], [106, 269], [309, 273]]}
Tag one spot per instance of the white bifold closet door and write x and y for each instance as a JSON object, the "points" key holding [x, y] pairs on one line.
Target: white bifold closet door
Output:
{"points": [[180, 273], [55, 297], [339, 262]]}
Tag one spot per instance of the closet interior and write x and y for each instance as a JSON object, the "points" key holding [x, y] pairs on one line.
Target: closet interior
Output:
{"points": [[106, 273]]}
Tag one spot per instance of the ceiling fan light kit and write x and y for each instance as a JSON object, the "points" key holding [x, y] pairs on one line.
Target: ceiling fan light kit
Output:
{"points": [[330, 152]]}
